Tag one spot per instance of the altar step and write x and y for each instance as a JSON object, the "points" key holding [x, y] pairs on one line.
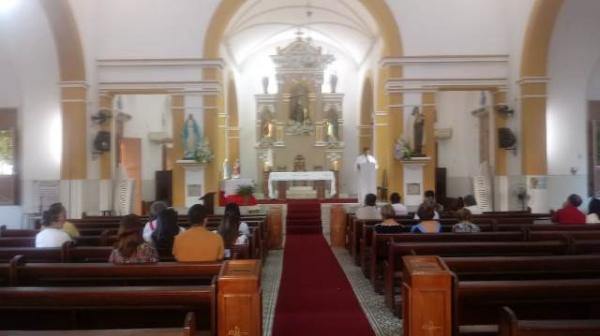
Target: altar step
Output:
{"points": [[304, 218]]}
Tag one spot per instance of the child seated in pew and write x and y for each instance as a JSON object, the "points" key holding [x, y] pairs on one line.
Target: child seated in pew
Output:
{"points": [[232, 230], [166, 230], [152, 224], [389, 224], [52, 234], [131, 247], [569, 213], [197, 244], [464, 222], [426, 214]]}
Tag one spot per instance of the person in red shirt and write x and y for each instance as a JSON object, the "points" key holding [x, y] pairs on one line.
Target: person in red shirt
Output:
{"points": [[569, 214]]}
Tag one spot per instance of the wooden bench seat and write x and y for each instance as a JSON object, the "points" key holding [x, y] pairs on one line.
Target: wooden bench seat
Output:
{"points": [[105, 307], [188, 329], [510, 325]]}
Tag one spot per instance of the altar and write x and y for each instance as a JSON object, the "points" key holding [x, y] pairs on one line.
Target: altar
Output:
{"points": [[281, 177]]}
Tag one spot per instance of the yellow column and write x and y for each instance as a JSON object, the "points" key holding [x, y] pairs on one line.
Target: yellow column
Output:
{"points": [[106, 103], [533, 126], [233, 143], [74, 129], [215, 122], [176, 153], [429, 110], [499, 98], [382, 128]]}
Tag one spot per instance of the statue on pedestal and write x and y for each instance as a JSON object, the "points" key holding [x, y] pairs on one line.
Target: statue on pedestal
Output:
{"points": [[332, 125], [417, 129], [267, 128], [236, 173], [191, 138]]}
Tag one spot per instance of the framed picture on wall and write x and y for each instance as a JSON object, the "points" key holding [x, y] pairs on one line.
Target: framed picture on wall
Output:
{"points": [[413, 189]]}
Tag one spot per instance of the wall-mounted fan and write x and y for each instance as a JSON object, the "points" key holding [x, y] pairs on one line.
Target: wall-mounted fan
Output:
{"points": [[102, 116], [102, 142]]}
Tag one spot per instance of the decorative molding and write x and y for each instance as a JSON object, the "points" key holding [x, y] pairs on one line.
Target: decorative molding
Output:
{"points": [[73, 84], [430, 85], [209, 87], [443, 59], [533, 96], [162, 62], [533, 80], [411, 105]]}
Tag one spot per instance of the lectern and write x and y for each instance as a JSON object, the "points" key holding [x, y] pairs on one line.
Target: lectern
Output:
{"points": [[426, 297]]}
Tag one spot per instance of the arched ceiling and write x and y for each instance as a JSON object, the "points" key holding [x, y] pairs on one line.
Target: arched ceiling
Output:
{"points": [[343, 25]]}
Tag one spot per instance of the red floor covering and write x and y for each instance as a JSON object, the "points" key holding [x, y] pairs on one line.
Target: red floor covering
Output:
{"points": [[315, 298]]}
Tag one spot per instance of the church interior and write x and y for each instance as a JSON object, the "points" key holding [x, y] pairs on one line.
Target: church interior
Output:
{"points": [[302, 122]]}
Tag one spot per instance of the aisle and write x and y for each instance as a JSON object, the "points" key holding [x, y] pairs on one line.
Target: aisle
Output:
{"points": [[315, 298]]}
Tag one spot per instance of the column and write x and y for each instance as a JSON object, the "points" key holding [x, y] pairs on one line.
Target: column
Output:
{"points": [[106, 166], [382, 148], [501, 192], [430, 148], [176, 153], [74, 128], [215, 125], [396, 122]]}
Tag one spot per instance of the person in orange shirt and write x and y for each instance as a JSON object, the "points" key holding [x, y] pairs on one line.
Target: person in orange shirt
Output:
{"points": [[197, 244]]}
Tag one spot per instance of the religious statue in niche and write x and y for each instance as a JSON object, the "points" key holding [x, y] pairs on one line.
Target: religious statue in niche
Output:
{"points": [[333, 136], [299, 122], [191, 138], [267, 127], [417, 132]]}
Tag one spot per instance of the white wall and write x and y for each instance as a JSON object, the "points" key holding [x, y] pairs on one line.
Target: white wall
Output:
{"points": [[149, 113], [29, 53], [460, 154]]}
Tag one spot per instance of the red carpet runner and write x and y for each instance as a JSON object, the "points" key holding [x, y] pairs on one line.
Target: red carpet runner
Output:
{"points": [[315, 298]]}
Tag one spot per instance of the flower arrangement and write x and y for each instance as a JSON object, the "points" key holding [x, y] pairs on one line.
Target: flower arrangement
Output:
{"points": [[245, 190], [402, 150], [204, 154]]}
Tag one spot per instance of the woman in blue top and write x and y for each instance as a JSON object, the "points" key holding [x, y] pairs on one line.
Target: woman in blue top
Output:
{"points": [[426, 213]]}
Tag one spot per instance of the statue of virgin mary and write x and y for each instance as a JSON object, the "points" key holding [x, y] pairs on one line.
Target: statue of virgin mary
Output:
{"points": [[191, 138]]}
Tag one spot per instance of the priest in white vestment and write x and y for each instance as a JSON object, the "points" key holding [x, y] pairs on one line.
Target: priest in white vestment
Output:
{"points": [[366, 166]]}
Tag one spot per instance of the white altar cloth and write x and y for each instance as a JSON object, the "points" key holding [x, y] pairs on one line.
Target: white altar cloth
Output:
{"points": [[302, 176]]}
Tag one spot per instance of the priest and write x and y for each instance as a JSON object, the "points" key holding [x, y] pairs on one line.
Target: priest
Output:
{"points": [[366, 166]]}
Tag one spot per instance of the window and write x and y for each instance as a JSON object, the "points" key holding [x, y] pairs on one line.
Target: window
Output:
{"points": [[9, 180]]}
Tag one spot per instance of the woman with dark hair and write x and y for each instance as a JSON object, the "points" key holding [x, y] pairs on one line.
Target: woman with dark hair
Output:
{"points": [[464, 222], [426, 214], [389, 224], [233, 231], [166, 230], [399, 208], [52, 234], [131, 247], [593, 216], [369, 211], [149, 228]]}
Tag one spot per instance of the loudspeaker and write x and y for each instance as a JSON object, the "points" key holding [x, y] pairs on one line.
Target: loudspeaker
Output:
{"points": [[506, 138], [102, 141]]}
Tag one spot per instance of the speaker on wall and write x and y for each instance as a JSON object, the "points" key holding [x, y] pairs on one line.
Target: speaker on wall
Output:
{"points": [[506, 138]]}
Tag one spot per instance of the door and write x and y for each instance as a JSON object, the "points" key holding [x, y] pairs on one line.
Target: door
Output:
{"points": [[131, 159]]}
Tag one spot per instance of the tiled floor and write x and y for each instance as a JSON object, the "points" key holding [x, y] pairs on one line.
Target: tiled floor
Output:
{"points": [[382, 321]]}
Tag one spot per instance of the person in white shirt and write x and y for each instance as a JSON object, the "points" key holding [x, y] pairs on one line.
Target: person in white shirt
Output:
{"points": [[593, 216], [366, 169], [399, 208], [152, 223], [471, 205], [52, 234], [369, 210]]}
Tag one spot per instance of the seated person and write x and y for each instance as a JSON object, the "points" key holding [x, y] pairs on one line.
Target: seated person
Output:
{"points": [[165, 232], [593, 216], [68, 227], [232, 230], [569, 214], [471, 205], [152, 223], [464, 222], [198, 244], [369, 210], [399, 208], [52, 234], [131, 247], [389, 224], [430, 195], [428, 224]]}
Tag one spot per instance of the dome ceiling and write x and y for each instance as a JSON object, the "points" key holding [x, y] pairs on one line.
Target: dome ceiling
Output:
{"points": [[340, 26]]}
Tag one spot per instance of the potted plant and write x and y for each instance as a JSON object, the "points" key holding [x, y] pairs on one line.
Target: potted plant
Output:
{"points": [[246, 192]]}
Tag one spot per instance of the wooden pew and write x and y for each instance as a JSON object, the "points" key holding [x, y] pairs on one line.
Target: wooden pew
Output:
{"points": [[107, 274], [188, 329], [510, 325], [476, 303], [105, 307]]}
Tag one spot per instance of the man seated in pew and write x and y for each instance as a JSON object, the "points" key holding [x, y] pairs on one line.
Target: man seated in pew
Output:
{"points": [[426, 214], [593, 216], [152, 224], [166, 230], [197, 244], [471, 205], [232, 230], [389, 224], [569, 213], [399, 208], [369, 210], [464, 222], [52, 234], [131, 247], [429, 199]]}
